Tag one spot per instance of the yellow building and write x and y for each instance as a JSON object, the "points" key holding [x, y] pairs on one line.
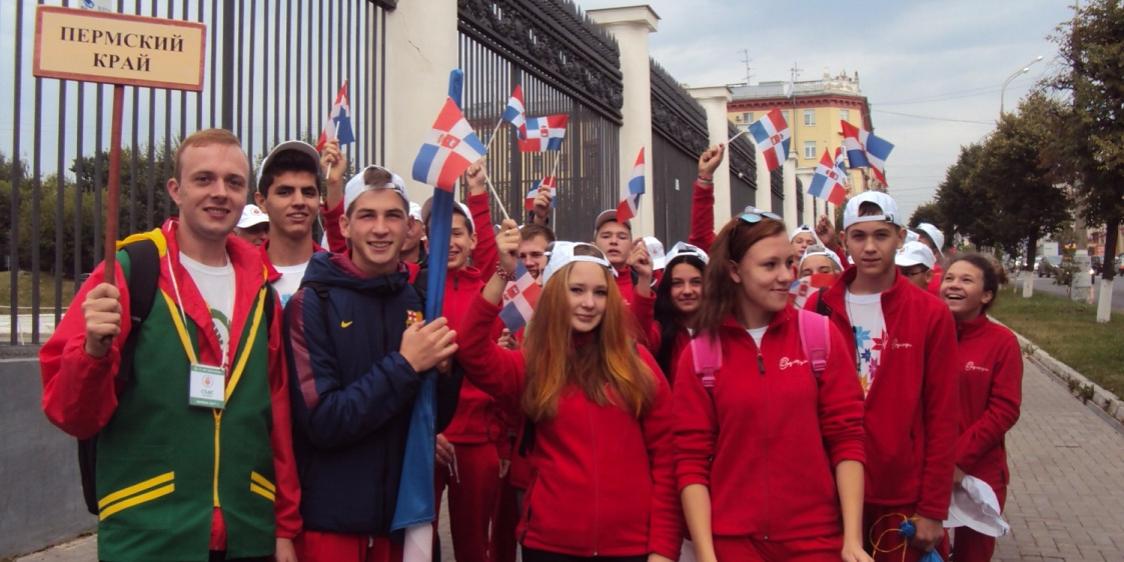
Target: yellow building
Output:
{"points": [[819, 107]]}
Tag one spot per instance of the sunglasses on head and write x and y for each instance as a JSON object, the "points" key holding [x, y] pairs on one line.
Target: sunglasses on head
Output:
{"points": [[755, 217]]}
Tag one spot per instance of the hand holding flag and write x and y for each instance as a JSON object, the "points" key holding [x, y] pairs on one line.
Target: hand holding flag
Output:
{"points": [[543, 193], [519, 298]]}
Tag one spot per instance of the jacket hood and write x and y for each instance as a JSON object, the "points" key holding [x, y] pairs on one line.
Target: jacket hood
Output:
{"points": [[337, 270]]}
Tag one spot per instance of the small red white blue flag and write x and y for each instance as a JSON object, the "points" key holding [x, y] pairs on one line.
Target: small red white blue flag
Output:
{"points": [[339, 122], [449, 149], [519, 299], [548, 183], [772, 136], [514, 112], [630, 205], [826, 182], [544, 133], [864, 149], [841, 165]]}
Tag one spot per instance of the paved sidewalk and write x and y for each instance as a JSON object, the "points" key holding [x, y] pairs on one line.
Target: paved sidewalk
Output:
{"points": [[1066, 497], [1065, 503]]}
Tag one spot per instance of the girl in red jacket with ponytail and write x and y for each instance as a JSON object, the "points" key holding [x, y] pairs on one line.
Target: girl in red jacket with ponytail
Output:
{"points": [[600, 410], [769, 451], [990, 387]]}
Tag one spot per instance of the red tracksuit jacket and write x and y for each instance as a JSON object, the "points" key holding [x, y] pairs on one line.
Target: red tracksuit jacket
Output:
{"points": [[604, 482], [913, 408], [644, 309], [990, 394], [702, 216], [767, 438]]}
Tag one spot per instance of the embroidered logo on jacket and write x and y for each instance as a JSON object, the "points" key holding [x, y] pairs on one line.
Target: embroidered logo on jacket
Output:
{"points": [[895, 344], [414, 317], [971, 367], [785, 363], [346, 323]]}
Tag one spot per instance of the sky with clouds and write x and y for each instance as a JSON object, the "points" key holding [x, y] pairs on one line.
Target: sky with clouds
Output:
{"points": [[945, 59]]}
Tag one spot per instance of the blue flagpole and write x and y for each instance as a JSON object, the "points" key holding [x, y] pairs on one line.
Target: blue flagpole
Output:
{"points": [[416, 501]]}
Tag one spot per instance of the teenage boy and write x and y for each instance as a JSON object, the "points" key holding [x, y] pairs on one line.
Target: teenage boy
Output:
{"points": [[614, 238], [904, 344], [194, 452], [932, 237], [289, 187], [356, 345]]}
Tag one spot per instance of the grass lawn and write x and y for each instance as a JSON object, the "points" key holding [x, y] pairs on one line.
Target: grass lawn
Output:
{"points": [[46, 291], [1068, 331]]}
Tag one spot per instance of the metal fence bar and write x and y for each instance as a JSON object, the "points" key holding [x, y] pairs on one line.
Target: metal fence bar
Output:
{"points": [[17, 173]]}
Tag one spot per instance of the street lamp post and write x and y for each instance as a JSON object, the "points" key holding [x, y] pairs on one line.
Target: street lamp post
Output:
{"points": [[1015, 74]]}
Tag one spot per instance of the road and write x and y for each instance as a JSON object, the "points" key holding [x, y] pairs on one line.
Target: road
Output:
{"points": [[1046, 285]]}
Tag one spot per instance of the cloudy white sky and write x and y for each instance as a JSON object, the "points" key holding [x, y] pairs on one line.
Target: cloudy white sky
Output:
{"points": [[945, 59]]}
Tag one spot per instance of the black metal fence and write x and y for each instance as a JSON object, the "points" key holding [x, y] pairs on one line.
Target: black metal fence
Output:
{"points": [[679, 135], [743, 172], [565, 64], [272, 71]]}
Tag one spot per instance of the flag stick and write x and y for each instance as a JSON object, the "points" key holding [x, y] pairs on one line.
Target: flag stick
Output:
{"points": [[328, 172], [113, 191], [496, 194], [496, 130], [553, 204], [740, 133]]}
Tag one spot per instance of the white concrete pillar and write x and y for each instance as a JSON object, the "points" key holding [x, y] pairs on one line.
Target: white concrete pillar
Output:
{"points": [[418, 75], [1104, 300], [789, 171], [630, 26], [764, 197], [714, 100]]}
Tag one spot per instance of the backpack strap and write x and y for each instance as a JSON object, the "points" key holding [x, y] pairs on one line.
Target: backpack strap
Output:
{"points": [[815, 339], [706, 350]]}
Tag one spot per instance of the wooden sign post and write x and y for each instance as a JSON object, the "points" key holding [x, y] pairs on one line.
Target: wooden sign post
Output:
{"points": [[118, 49]]}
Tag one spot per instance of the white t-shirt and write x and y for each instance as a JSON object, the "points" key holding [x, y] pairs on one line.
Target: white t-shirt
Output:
{"points": [[757, 334], [216, 285], [290, 280], [869, 327]]}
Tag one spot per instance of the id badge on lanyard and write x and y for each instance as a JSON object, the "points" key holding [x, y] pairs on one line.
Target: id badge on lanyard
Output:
{"points": [[207, 388]]}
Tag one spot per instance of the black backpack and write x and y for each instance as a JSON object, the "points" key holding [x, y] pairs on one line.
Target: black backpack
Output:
{"points": [[142, 278], [144, 271]]}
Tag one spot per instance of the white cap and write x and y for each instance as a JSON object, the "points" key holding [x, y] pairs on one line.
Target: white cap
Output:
{"points": [[608, 215], [819, 250], [415, 211], [356, 186], [681, 249], [914, 253], [801, 230], [655, 251], [251, 216], [885, 203], [933, 233], [911, 236], [300, 147], [561, 253], [458, 207]]}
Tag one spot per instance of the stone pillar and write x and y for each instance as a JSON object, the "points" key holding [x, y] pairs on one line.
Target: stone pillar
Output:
{"points": [[630, 26], [764, 199], [789, 170], [1104, 300], [714, 101], [425, 34]]}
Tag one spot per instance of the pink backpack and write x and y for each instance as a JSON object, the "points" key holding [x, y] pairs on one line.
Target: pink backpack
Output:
{"points": [[815, 339]]}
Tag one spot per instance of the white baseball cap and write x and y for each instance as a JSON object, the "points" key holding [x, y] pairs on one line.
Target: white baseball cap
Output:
{"points": [[608, 215], [681, 249], [884, 202], [415, 211], [801, 230], [915, 253], [458, 207], [357, 186], [561, 253], [251, 216], [300, 147], [656, 252], [819, 250], [933, 233]]}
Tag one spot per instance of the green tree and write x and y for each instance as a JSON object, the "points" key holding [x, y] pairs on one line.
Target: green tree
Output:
{"points": [[1016, 184], [1091, 141], [930, 213]]}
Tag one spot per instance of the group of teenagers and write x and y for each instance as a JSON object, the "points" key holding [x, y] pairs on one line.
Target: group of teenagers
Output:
{"points": [[254, 403]]}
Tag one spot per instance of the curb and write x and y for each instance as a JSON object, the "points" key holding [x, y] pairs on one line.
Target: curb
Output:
{"points": [[1102, 402]]}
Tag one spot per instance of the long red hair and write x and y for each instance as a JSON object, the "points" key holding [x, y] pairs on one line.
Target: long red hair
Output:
{"points": [[607, 369]]}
